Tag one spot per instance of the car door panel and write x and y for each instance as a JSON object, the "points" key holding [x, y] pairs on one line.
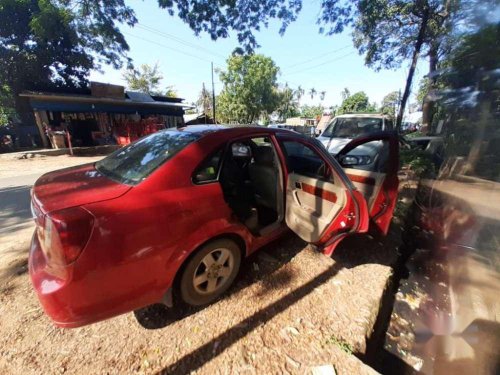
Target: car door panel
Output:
{"points": [[380, 188], [321, 203], [312, 205], [368, 183]]}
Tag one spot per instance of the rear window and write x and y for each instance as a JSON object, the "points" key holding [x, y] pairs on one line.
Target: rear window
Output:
{"points": [[133, 163]]}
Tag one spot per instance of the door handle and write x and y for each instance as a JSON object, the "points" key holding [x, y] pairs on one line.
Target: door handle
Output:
{"points": [[296, 197], [298, 185]]}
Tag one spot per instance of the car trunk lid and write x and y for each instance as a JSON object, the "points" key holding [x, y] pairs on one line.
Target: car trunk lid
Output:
{"points": [[74, 186]]}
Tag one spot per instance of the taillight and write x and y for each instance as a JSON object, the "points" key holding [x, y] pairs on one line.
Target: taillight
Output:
{"points": [[64, 234]]}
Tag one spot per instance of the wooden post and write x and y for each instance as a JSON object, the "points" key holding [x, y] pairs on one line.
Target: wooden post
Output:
{"points": [[39, 124], [68, 137]]}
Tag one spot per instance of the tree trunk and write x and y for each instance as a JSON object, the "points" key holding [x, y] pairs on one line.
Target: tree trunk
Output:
{"points": [[428, 105], [411, 72], [27, 117]]}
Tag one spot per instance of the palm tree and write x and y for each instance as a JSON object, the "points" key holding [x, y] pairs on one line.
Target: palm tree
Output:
{"points": [[312, 92], [299, 93], [322, 95], [345, 93]]}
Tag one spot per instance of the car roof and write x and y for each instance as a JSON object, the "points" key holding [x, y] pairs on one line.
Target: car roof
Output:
{"points": [[369, 115], [207, 129]]}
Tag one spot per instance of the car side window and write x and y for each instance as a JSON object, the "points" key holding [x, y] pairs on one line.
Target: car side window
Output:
{"points": [[302, 159], [209, 169]]}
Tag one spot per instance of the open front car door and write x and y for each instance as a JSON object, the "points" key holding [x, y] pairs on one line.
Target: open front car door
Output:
{"points": [[322, 205], [371, 162]]}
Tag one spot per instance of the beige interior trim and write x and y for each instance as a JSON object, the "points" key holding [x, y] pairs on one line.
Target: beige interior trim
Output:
{"points": [[308, 214], [369, 191]]}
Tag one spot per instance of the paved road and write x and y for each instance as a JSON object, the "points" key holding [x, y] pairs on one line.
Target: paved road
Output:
{"points": [[15, 211]]}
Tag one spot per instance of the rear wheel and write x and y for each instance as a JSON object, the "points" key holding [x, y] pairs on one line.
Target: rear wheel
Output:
{"points": [[210, 272]]}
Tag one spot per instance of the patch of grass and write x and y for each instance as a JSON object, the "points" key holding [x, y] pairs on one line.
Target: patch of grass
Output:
{"points": [[418, 161], [344, 346], [415, 134]]}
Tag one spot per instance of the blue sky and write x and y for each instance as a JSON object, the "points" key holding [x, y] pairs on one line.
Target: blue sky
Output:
{"points": [[305, 57]]}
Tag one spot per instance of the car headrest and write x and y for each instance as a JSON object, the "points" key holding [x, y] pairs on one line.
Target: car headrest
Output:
{"points": [[264, 155], [241, 150]]}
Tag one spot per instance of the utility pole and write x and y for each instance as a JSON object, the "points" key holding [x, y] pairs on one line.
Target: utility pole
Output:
{"points": [[213, 95]]}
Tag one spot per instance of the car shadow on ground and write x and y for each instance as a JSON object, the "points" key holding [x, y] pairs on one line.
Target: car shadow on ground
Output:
{"points": [[253, 269], [354, 251]]}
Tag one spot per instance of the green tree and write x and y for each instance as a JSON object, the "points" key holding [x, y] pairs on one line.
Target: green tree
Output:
{"points": [[170, 92], [391, 32], [390, 103], [345, 93], [204, 104], [300, 93], [288, 103], [356, 103], [311, 111], [146, 79], [7, 105], [48, 44], [312, 92], [250, 88], [388, 32], [218, 18], [423, 91]]}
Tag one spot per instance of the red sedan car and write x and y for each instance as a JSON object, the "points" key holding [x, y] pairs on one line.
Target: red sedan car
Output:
{"points": [[176, 212]]}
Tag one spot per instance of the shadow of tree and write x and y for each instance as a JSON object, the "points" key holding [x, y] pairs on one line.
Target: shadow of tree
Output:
{"points": [[14, 207], [362, 249], [17, 268], [355, 251], [208, 351], [254, 269]]}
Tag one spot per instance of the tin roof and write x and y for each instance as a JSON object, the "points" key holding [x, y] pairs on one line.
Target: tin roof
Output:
{"points": [[88, 103]]}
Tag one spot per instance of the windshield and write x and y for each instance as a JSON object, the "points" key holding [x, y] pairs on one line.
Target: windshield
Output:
{"points": [[352, 127], [133, 163]]}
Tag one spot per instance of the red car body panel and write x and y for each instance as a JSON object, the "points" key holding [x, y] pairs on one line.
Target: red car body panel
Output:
{"points": [[386, 199], [143, 234], [75, 186]]}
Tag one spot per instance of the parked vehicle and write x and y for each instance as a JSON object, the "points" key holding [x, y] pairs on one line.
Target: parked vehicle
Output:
{"points": [[342, 129], [174, 214]]}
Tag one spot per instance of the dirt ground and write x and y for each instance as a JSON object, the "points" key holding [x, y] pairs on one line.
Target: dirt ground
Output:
{"points": [[12, 166], [16, 177], [291, 310]]}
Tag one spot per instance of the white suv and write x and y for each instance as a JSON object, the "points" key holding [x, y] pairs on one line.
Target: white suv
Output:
{"points": [[342, 129]]}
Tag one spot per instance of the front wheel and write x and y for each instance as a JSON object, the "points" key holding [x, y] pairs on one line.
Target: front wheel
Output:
{"points": [[210, 272]]}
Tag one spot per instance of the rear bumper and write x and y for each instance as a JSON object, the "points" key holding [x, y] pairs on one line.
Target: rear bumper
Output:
{"points": [[50, 289], [73, 299]]}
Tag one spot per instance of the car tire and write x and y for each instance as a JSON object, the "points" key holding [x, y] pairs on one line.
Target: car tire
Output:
{"points": [[210, 272]]}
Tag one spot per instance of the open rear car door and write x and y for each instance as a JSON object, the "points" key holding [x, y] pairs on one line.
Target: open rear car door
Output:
{"points": [[371, 162], [322, 205]]}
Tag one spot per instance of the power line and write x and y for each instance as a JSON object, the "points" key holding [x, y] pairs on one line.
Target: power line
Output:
{"points": [[318, 65], [178, 40], [317, 57], [168, 47]]}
